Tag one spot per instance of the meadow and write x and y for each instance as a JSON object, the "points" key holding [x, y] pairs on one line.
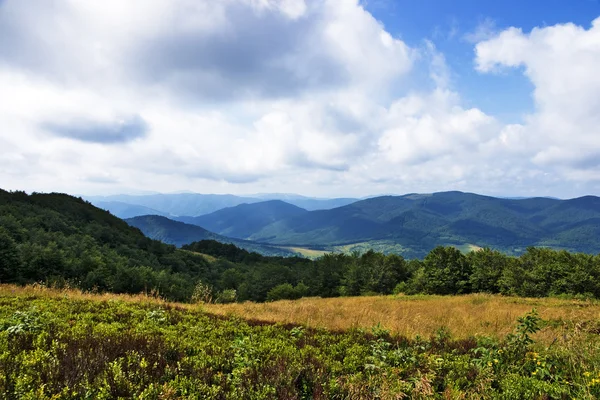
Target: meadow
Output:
{"points": [[67, 344], [464, 316]]}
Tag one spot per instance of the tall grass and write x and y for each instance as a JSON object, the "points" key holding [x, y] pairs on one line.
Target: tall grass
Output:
{"points": [[464, 316]]}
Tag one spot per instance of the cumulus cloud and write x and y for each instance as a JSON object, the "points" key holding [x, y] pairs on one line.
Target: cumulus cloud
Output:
{"points": [[271, 95], [562, 62]]}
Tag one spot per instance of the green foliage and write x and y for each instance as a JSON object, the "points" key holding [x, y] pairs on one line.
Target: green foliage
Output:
{"points": [[446, 271], [179, 234], [90, 349], [226, 296], [10, 263], [285, 291]]}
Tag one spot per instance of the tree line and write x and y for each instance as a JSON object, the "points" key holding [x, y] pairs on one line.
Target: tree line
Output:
{"points": [[538, 272]]}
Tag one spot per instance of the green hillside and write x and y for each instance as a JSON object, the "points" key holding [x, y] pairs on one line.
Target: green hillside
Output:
{"points": [[126, 210], [244, 220], [418, 223], [179, 234]]}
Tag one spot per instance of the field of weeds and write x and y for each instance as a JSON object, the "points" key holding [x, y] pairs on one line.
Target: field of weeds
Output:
{"points": [[69, 345]]}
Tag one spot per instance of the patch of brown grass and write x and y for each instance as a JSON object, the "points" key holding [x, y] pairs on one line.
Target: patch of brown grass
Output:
{"points": [[464, 316], [469, 315], [37, 291]]}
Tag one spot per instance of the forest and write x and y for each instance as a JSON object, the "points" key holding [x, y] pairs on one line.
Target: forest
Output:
{"points": [[61, 240]]}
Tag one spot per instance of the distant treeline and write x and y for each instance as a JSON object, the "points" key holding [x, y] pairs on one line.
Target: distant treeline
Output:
{"points": [[445, 270], [62, 240]]}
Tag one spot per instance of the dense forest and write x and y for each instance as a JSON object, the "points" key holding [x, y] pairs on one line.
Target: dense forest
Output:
{"points": [[62, 240]]}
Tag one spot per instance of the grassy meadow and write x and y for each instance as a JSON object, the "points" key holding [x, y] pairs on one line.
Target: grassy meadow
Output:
{"points": [[463, 316], [66, 344]]}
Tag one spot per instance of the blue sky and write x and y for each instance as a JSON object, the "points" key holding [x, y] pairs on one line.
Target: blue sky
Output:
{"points": [[449, 24], [328, 98]]}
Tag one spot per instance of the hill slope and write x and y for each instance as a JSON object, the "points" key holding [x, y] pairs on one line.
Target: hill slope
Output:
{"points": [[191, 204], [60, 239], [179, 234], [126, 210], [420, 222], [245, 219]]}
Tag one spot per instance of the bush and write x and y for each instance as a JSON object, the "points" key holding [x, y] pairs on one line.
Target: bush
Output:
{"points": [[284, 291], [226, 296]]}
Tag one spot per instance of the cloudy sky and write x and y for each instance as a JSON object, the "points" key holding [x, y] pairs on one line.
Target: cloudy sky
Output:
{"points": [[317, 97]]}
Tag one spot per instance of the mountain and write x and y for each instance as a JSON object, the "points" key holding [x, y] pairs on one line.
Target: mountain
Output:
{"points": [[191, 204], [244, 220], [194, 204], [179, 234], [126, 210], [63, 240], [308, 203], [419, 222]]}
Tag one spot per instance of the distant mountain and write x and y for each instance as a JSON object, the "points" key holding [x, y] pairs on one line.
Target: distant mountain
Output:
{"points": [[179, 234], [193, 204], [244, 220], [125, 210], [308, 203], [419, 222]]}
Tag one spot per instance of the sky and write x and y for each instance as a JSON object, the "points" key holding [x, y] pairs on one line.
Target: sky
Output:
{"points": [[327, 98]]}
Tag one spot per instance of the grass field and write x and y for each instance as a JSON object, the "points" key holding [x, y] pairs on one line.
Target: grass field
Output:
{"points": [[65, 344], [464, 316], [305, 252]]}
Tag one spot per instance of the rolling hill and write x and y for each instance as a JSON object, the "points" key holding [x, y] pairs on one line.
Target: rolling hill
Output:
{"points": [[244, 220], [419, 222], [126, 210], [179, 234]]}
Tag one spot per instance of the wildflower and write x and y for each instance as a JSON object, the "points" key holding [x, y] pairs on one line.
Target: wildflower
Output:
{"points": [[534, 372], [496, 361], [539, 363], [489, 364], [500, 351], [587, 374]]}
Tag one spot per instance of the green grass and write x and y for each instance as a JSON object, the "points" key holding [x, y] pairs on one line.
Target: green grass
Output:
{"points": [[68, 345]]}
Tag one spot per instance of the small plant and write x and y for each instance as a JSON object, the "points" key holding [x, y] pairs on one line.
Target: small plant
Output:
{"points": [[158, 316], [202, 293], [226, 296], [526, 326], [25, 321]]}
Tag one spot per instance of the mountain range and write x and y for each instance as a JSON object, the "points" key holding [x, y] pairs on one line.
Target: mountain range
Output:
{"points": [[179, 233], [195, 204], [415, 223]]}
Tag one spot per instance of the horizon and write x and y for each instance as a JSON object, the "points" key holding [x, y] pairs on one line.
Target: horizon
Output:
{"points": [[328, 98], [280, 196]]}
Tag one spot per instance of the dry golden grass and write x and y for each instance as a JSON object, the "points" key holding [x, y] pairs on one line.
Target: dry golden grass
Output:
{"points": [[35, 291], [309, 253], [469, 315]]}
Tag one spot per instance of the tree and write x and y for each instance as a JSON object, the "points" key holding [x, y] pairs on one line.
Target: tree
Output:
{"points": [[446, 271], [10, 262], [487, 267]]}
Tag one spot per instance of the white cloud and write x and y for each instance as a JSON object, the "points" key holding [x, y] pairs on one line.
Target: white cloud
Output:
{"points": [[562, 62], [268, 95]]}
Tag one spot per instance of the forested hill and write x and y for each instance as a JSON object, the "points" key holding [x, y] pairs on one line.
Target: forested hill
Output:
{"points": [[244, 220], [56, 238], [419, 222], [179, 234]]}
